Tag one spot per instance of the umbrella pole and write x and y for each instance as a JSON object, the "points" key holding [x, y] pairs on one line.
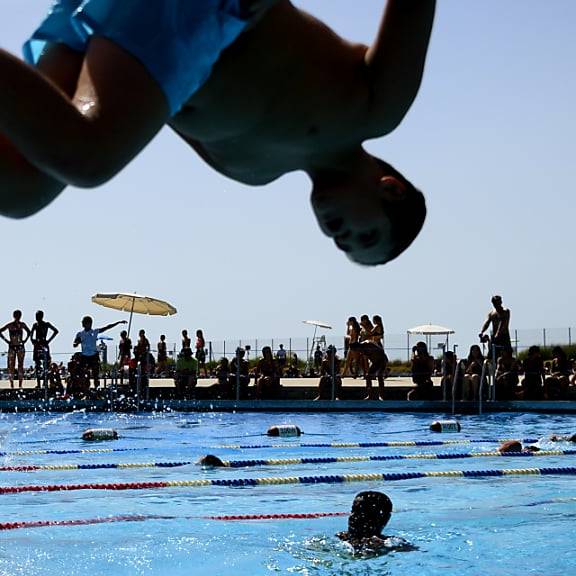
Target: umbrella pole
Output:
{"points": [[131, 314]]}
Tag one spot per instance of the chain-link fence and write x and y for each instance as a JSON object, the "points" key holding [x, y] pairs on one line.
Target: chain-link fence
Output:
{"points": [[397, 346]]}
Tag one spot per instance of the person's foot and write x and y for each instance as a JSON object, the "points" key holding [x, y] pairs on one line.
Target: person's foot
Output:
{"points": [[372, 224]]}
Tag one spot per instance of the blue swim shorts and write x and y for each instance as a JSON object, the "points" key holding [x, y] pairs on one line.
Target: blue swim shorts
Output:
{"points": [[178, 41]]}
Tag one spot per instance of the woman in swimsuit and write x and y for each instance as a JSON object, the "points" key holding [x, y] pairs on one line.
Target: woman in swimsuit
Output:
{"points": [[186, 342], [15, 342], [377, 334], [352, 357], [201, 352], [366, 329]]}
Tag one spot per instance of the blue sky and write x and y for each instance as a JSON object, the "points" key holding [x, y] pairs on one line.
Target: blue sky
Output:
{"points": [[489, 141]]}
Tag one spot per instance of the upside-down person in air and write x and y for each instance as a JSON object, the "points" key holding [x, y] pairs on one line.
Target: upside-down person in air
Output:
{"points": [[258, 88]]}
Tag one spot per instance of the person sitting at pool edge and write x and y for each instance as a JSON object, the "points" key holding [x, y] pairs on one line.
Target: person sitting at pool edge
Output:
{"points": [[422, 367], [103, 77], [371, 511]]}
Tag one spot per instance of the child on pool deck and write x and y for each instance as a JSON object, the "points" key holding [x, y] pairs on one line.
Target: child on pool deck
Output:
{"points": [[228, 77]]}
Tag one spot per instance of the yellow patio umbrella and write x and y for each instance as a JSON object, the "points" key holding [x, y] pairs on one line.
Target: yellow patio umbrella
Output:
{"points": [[134, 303]]}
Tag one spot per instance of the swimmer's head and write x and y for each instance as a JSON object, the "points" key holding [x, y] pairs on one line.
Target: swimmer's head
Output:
{"points": [[371, 511], [510, 446], [370, 210], [211, 461]]}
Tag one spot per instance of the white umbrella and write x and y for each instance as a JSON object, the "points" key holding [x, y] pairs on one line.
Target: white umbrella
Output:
{"points": [[134, 303], [430, 330], [318, 324]]}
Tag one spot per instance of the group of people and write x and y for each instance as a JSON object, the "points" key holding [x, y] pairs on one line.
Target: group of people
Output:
{"points": [[529, 379], [364, 352], [541, 380], [41, 335]]}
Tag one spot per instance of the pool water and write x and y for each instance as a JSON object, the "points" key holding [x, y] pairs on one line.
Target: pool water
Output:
{"points": [[513, 525]]}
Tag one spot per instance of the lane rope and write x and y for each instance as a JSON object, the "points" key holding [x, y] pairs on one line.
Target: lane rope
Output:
{"points": [[324, 479], [62, 452], [391, 444], [375, 444], [142, 518], [288, 461]]}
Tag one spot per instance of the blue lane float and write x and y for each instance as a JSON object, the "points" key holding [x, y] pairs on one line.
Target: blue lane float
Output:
{"points": [[283, 461], [393, 444]]}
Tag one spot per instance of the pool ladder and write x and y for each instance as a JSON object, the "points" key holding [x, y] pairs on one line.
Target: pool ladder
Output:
{"points": [[487, 375]]}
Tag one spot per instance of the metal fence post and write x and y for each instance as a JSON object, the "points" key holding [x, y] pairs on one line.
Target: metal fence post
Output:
{"points": [[569, 336], [333, 370], [544, 336], [516, 341]]}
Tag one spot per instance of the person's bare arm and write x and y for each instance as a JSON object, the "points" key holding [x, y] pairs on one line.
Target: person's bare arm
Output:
{"points": [[108, 326], [27, 330], [116, 109], [486, 324], [2, 330], [23, 188], [55, 332], [396, 59]]}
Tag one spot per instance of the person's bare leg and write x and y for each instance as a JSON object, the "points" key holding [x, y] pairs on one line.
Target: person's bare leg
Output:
{"points": [[20, 368], [11, 366]]}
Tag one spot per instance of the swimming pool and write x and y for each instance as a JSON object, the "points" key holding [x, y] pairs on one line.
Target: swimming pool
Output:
{"points": [[460, 525]]}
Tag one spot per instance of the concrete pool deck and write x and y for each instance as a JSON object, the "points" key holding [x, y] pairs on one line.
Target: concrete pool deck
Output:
{"points": [[297, 396]]}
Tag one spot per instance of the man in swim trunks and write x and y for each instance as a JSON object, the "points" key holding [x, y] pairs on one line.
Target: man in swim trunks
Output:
{"points": [[15, 341], [41, 343], [258, 88], [89, 358], [499, 319]]}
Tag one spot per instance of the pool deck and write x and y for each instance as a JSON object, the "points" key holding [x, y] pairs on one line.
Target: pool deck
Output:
{"points": [[297, 396]]}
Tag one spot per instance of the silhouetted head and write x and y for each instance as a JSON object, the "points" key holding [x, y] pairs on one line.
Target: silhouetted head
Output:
{"points": [[39, 316], [371, 511], [87, 322], [510, 446], [17, 315], [370, 210], [421, 348], [211, 461], [497, 300], [267, 353]]}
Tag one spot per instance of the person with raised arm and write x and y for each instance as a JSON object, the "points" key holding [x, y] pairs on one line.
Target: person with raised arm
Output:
{"points": [[102, 78]]}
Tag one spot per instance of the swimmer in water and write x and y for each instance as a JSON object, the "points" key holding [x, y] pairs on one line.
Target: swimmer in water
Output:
{"points": [[211, 461], [371, 511], [103, 77], [562, 438], [515, 446]]}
